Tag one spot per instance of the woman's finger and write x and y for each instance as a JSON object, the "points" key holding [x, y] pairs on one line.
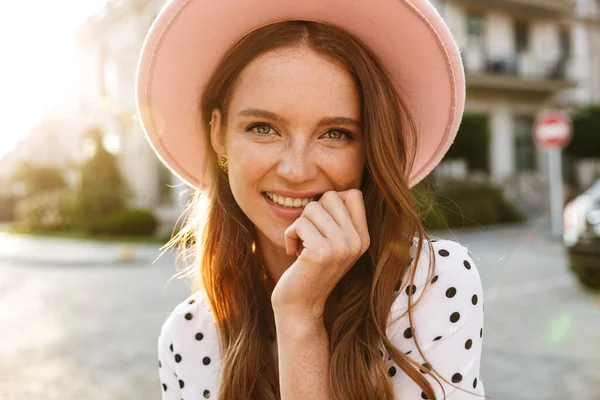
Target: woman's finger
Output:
{"points": [[300, 231], [334, 205], [322, 219], [355, 204]]}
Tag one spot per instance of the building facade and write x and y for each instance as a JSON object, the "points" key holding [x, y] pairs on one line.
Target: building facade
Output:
{"points": [[520, 57], [109, 46], [55, 142]]}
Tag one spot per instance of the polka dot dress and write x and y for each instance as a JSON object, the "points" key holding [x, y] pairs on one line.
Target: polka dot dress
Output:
{"points": [[189, 356], [448, 324]]}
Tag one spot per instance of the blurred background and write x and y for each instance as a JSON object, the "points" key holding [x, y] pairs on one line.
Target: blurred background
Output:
{"points": [[85, 205]]}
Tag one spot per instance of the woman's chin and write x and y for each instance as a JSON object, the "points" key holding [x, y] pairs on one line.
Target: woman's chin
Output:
{"points": [[275, 237], [279, 242]]}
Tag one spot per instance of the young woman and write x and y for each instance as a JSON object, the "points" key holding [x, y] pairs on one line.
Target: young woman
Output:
{"points": [[302, 126]]}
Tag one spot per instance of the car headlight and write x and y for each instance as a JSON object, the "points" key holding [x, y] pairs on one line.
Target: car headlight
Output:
{"points": [[593, 217], [592, 220]]}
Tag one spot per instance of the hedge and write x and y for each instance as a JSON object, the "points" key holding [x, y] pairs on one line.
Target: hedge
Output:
{"points": [[51, 211], [128, 222], [459, 203]]}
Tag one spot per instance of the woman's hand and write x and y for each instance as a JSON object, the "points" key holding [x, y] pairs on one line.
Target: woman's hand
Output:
{"points": [[329, 237]]}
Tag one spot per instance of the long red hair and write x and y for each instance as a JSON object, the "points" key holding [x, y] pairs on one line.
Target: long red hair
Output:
{"points": [[218, 241]]}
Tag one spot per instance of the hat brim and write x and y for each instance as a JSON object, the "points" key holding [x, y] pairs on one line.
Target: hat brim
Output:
{"points": [[189, 37]]}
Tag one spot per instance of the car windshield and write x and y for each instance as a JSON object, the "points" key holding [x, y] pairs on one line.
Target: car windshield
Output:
{"points": [[594, 188]]}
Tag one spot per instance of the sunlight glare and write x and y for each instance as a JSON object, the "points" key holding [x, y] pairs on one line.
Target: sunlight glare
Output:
{"points": [[38, 74]]}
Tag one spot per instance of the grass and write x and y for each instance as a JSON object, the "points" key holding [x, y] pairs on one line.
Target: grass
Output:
{"points": [[8, 228]]}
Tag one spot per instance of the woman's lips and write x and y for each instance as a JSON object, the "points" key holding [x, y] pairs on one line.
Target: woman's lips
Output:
{"points": [[285, 212]]}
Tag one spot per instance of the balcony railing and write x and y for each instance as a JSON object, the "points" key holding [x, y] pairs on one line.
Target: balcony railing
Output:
{"points": [[523, 66], [519, 71], [533, 7]]}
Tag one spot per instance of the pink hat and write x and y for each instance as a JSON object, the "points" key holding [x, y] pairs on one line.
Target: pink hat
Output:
{"points": [[189, 38]]}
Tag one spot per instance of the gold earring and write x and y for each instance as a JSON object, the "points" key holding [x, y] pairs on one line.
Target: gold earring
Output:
{"points": [[222, 161]]}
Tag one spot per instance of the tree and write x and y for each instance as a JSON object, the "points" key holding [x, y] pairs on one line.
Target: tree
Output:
{"points": [[472, 143], [102, 189], [38, 179], [585, 143], [586, 133]]}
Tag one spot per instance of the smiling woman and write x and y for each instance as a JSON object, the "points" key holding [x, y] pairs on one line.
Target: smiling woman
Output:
{"points": [[295, 153], [315, 277]]}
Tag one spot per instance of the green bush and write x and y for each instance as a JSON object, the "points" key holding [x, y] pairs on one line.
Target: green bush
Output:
{"points": [[51, 211], [464, 203], [472, 142], [586, 125], [128, 222]]}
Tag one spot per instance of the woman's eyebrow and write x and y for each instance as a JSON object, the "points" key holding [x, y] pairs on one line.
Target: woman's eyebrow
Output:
{"points": [[258, 113]]}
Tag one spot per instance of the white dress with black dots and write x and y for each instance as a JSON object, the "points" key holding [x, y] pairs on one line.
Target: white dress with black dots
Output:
{"points": [[448, 324]]}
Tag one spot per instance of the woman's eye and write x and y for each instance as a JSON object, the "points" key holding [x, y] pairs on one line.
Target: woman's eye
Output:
{"points": [[261, 129], [339, 135], [265, 130]]}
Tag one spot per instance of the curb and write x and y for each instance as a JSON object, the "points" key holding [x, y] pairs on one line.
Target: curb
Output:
{"points": [[74, 263], [66, 252]]}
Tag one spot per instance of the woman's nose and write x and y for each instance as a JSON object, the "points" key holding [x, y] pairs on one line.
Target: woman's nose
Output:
{"points": [[297, 163]]}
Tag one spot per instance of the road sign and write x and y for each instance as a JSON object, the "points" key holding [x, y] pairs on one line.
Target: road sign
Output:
{"points": [[552, 129]]}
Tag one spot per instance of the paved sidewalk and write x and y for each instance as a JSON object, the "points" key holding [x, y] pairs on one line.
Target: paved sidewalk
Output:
{"points": [[63, 251]]}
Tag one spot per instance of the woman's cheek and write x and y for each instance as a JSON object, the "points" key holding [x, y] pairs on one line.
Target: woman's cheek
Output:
{"points": [[344, 172]]}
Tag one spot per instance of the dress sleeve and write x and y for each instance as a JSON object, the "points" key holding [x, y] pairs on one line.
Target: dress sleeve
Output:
{"points": [[166, 364], [448, 324]]}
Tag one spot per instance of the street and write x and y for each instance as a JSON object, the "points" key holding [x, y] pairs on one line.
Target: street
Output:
{"points": [[541, 333], [89, 331]]}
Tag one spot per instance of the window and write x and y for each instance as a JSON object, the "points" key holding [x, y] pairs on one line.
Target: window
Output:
{"points": [[521, 36], [100, 74], [475, 28], [525, 150], [565, 42], [111, 78]]}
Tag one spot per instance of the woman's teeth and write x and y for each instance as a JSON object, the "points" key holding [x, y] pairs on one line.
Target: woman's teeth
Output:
{"points": [[288, 201]]}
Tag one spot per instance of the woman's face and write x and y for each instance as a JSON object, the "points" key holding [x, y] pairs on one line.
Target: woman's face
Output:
{"points": [[293, 130]]}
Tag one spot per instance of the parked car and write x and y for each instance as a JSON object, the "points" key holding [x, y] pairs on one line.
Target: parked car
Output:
{"points": [[581, 235]]}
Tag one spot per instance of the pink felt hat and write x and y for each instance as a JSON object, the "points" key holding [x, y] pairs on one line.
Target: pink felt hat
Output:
{"points": [[189, 37]]}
